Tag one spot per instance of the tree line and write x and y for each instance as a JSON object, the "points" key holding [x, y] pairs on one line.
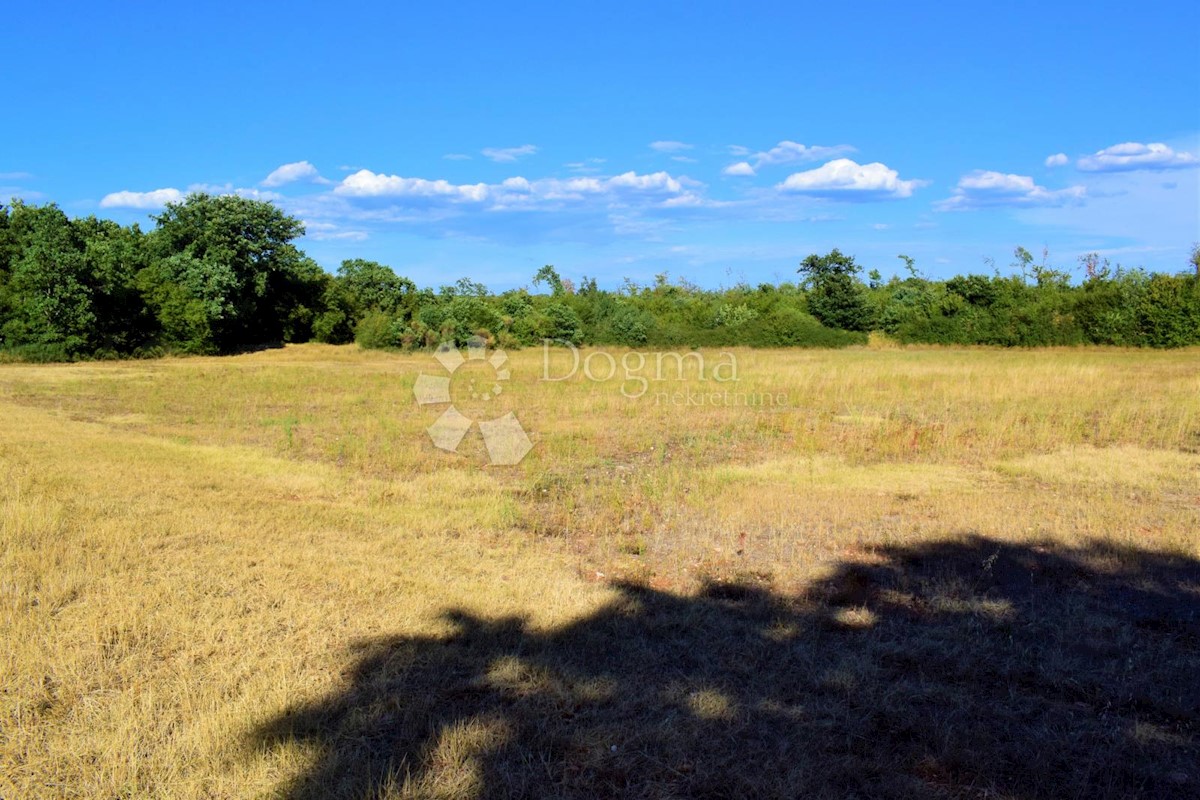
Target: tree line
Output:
{"points": [[220, 274]]}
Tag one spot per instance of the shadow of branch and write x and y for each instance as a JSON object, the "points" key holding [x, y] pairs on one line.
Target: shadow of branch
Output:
{"points": [[965, 668]]}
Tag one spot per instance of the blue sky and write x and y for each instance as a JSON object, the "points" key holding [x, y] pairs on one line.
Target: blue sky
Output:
{"points": [[719, 142]]}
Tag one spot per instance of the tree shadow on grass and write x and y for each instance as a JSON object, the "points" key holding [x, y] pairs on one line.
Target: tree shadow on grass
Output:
{"points": [[965, 668]]}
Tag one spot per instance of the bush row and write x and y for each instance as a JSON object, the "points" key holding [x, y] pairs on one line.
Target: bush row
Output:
{"points": [[221, 274]]}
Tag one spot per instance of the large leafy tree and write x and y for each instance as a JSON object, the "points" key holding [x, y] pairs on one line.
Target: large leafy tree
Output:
{"points": [[836, 296], [113, 255], [46, 301], [363, 288], [222, 271], [371, 286]]}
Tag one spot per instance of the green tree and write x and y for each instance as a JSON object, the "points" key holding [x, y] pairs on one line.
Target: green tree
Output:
{"points": [[836, 295], [47, 299], [549, 276], [113, 256], [8, 245], [221, 270], [371, 286], [1168, 311]]}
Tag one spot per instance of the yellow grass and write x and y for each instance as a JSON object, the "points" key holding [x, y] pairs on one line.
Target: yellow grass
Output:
{"points": [[188, 547]]}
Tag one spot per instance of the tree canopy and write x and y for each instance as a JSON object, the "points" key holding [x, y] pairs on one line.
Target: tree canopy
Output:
{"points": [[217, 274]]}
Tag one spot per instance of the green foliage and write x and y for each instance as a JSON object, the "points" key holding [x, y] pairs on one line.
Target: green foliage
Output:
{"points": [[376, 331], [221, 269], [549, 275], [555, 321], [222, 273], [788, 326], [369, 286], [113, 256], [333, 325], [836, 296], [1106, 308], [734, 316], [564, 324], [630, 326], [48, 297], [1168, 311]]}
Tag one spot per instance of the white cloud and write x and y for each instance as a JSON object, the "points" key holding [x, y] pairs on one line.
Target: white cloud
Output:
{"points": [[517, 184], [786, 152], [740, 168], [1134, 156], [669, 146], [1057, 160], [985, 188], [15, 176], [154, 199], [328, 231], [845, 179], [519, 192], [575, 207], [366, 183], [792, 152], [655, 182], [160, 197], [588, 165], [456, 157], [1131, 208], [684, 159], [228, 189], [290, 173], [508, 154]]}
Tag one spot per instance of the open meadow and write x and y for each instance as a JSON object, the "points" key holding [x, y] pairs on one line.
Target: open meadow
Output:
{"points": [[870, 572]]}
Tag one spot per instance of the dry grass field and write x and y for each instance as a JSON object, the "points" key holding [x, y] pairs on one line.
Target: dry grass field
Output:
{"points": [[911, 573]]}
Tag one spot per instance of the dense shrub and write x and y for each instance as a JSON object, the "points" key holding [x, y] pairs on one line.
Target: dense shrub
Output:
{"points": [[377, 331], [218, 274]]}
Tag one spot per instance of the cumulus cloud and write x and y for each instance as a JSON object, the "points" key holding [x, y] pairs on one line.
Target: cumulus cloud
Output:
{"points": [[228, 189], [655, 182], [146, 200], [516, 192], [1057, 160], [508, 154], [669, 146], [293, 172], [366, 183], [845, 179], [740, 168], [1130, 156], [792, 152], [627, 188], [985, 188], [786, 152], [577, 207], [160, 197]]}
